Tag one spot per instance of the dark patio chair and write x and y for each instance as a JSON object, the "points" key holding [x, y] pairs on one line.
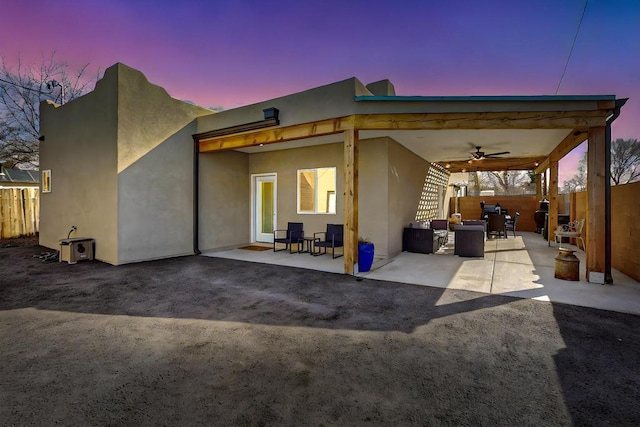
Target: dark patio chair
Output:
{"points": [[292, 235], [440, 224], [510, 224], [469, 240], [496, 225], [332, 238]]}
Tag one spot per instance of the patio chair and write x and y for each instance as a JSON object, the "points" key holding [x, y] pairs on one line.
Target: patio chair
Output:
{"points": [[332, 238], [481, 222], [510, 224], [292, 235], [571, 230], [440, 224], [496, 225], [469, 240]]}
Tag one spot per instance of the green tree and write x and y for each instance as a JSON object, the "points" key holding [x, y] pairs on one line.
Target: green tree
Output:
{"points": [[22, 88]]}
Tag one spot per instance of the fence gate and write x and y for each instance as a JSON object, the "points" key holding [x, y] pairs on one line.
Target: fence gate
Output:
{"points": [[19, 212]]}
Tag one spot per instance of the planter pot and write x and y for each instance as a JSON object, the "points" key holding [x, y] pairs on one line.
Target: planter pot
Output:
{"points": [[365, 256]]}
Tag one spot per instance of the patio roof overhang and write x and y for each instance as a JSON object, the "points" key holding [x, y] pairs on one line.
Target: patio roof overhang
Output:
{"points": [[445, 130], [536, 131]]}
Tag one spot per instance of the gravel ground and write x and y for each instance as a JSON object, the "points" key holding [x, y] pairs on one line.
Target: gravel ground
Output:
{"points": [[199, 340]]}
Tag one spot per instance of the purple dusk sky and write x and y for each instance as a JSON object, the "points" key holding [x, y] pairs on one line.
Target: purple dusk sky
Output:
{"points": [[233, 53]]}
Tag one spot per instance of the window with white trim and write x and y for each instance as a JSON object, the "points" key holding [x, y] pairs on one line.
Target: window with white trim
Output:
{"points": [[317, 191], [46, 181]]}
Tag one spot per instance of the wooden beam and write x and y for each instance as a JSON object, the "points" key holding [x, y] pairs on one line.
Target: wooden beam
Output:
{"points": [[595, 236], [539, 186], [414, 121], [552, 224], [543, 166], [282, 134], [493, 164], [494, 120], [350, 200], [571, 141]]}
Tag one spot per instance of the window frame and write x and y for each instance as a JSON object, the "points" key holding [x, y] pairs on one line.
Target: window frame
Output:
{"points": [[315, 190], [46, 181]]}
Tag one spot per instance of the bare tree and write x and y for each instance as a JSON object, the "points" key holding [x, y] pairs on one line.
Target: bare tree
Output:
{"points": [[509, 182], [625, 161], [21, 90], [578, 182], [625, 166]]}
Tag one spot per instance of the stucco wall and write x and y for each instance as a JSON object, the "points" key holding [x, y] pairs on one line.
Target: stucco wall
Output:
{"points": [[333, 100], [373, 193], [155, 165], [80, 150], [121, 162], [285, 164], [406, 176], [225, 206]]}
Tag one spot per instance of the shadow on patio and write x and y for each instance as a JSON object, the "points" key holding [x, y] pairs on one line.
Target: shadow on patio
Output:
{"points": [[523, 267]]}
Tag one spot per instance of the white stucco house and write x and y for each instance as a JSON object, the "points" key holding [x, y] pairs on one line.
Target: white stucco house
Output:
{"points": [[148, 176]]}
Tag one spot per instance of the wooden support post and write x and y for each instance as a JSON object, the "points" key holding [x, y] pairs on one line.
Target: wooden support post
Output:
{"points": [[552, 224], [350, 200], [539, 186], [595, 237]]}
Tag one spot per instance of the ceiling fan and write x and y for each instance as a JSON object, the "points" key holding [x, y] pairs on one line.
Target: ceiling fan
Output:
{"points": [[478, 155]]}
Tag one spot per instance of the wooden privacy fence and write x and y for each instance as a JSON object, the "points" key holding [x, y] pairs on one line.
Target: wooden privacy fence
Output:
{"points": [[19, 212]]}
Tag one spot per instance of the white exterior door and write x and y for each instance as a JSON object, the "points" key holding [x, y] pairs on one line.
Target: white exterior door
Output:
{"points": [[264, 207]]}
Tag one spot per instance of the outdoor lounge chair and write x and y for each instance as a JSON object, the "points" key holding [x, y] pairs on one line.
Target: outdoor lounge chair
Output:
{"points": [[292, 235], [481, 222], [440, 224], [469, 240], [332, 238]]}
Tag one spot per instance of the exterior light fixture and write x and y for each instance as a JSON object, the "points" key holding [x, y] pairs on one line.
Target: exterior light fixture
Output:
{"points": [[447, 165], [271, 113], [52, 84], [536, 163]]}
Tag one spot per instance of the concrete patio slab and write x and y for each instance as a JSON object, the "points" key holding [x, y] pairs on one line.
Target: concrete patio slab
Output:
{"points": [[521, 266]]}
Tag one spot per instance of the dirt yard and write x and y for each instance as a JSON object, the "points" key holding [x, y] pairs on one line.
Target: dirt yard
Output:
{"points": [[198, 340]]}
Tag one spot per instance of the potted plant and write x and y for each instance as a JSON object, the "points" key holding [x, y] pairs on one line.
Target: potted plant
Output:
{"points": [[365, 254]]}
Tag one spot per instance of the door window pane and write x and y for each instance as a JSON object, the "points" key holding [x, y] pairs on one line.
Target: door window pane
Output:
{"points": [[267, 207]]}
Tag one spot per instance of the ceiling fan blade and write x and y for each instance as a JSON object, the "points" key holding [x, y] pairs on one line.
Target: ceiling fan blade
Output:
{"points": [[496, 154]]}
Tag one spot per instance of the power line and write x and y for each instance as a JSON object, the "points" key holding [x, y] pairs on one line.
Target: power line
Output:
{"points": [[575, 37]]}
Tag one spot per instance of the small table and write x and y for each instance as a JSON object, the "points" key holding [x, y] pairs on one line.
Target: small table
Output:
{"points": [[309, 243]]}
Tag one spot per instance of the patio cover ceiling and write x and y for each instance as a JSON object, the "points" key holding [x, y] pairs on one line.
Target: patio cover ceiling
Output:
{"points": [[446, 130]]}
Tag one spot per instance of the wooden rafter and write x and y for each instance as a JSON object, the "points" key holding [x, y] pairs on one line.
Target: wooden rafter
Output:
{"points": [[494, 120], [416, 121], [493, 164], [274, 135], [571, 141]]}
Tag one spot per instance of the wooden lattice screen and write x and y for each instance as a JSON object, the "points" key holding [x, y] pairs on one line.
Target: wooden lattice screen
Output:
{"points": [[435, 184]]}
